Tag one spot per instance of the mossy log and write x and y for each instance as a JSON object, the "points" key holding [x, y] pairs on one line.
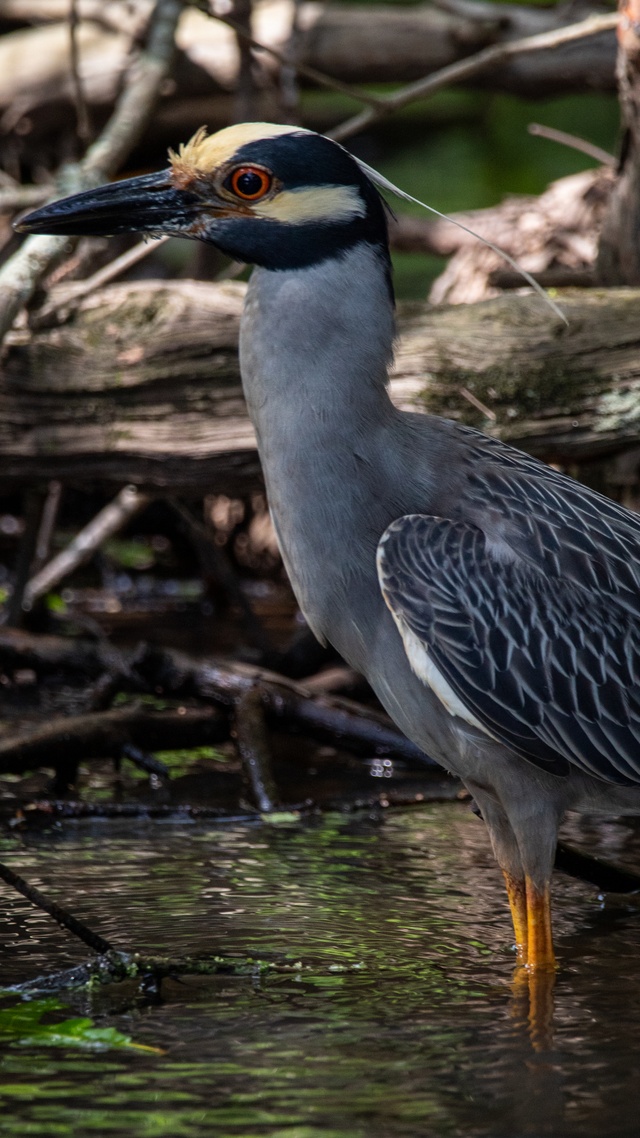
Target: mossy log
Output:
{"points": [[141, 384]]}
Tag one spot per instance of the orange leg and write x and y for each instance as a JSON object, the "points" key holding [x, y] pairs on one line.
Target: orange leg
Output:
{"points": [[540, 954], [517, 894]]}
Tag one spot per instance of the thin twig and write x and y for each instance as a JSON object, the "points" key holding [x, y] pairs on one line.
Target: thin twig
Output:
{"points": [[477, 403], [604, 875], [64, 919], [318, 77], [83, 122], [20, 276], [573, 141], [288, 87], [106, 523], [562, 276], [145, 761], [40, 810], [465, 69], [47, 524], [15, 198], [78, 290], [245, 88]]}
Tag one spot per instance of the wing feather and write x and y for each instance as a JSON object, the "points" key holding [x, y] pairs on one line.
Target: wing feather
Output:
{"points": [[548, 665]]}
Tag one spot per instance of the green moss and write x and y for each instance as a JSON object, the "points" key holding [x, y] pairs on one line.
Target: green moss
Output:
{"points": [[512, 392]]}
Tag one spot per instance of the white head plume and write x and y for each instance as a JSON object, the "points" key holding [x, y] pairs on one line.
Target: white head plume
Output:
{"points": [[385, 184]]}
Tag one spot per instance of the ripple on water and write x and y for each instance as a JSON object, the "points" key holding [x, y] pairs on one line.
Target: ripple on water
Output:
{"points": [[399, 1024]]}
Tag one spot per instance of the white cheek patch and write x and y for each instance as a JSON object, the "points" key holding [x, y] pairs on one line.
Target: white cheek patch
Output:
{"points": [[316, 203]]}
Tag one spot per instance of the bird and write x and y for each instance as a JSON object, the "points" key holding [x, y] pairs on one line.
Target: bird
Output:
{"points": [[492, 602]]}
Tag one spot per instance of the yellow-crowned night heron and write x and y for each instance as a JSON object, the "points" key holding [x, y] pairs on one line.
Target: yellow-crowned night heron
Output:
{"points": [[493, 604]]}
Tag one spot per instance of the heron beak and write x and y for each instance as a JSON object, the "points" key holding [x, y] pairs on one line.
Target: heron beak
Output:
{"points": [[149, 204]]}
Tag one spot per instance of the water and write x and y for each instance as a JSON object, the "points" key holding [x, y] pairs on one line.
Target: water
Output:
{"points": [[402, 1021]]}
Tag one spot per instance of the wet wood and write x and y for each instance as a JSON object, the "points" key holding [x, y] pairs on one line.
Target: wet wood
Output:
{"points": [[65, 741], [254, 748], [289, 706]]}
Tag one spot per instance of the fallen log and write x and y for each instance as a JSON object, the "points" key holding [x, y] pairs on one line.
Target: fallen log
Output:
{"points": [[141, 384]]}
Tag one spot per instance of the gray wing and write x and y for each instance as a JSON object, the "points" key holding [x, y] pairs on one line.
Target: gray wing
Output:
{"points": [[548, 666], [555, 524]]}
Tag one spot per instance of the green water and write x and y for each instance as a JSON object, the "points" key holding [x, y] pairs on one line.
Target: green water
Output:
{"points": [[396, 1018]]}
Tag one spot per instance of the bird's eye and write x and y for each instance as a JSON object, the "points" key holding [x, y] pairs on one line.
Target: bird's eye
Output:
{"points": [[249, 183]]}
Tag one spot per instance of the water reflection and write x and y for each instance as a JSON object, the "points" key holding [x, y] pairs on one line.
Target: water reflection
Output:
{"points": [[399, 1016]]}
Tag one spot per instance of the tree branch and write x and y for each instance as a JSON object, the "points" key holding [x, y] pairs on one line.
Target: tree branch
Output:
{"points": [[465, 69], [37, 255]]}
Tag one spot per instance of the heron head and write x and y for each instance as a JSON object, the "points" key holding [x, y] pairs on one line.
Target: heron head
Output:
{"points": [[277, 196]]}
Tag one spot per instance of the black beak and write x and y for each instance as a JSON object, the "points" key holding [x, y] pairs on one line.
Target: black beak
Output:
{"points": [[150, 204]]}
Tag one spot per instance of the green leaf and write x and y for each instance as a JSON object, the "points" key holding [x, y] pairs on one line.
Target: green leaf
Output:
{"points": [[22, 1024]]}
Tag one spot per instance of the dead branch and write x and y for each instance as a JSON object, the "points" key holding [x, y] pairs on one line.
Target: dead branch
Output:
{"points": [[83, 120], [114, 967], [48, 654], [462, 71], [289, 706], [557, 231], [619, 251], [351, 45], [65, 741], [65, 919], [143, 382], [108, 522], [538, 130], [20, 275]]}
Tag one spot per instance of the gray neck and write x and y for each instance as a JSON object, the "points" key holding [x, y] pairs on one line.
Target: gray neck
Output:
{"points": [[315, 347]]}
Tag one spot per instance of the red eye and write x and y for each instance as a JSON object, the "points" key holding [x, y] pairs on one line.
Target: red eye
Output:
{"points": [[249, 183]]}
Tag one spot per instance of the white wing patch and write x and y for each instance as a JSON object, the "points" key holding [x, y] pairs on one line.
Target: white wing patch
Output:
{"points": [[426, 670], [422, 664]]}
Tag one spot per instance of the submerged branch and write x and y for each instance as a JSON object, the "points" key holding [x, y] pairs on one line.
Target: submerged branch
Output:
{"points": [[65, 741], [64, 919], [254, 748]]}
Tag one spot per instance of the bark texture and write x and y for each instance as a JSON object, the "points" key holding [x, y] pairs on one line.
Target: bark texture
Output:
{"points": [[141, 384]]}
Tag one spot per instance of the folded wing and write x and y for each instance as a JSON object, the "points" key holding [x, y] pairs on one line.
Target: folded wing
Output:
{"points": [[547, 665]]}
